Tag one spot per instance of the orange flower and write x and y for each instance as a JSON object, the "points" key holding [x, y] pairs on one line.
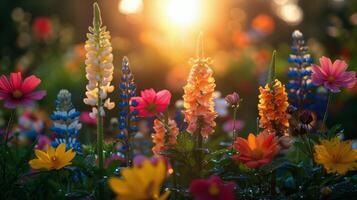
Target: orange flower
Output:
{"points": [[174, 131], [273, 104], [198, 97], [256, 150], [159, 137]]}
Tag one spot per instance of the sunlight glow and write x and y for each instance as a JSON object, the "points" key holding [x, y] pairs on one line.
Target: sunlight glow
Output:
{"points": [[130, 6], [183, 12]]}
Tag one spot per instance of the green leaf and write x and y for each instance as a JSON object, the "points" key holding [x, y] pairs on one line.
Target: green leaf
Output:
{"points": [[271, 74]]}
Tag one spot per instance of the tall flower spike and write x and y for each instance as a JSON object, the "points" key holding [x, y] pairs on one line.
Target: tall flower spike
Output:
{"points": [[198, 97], [273, 104], [99, 66], [66, 122], [164, 135], [127, 118], [301, 90]]}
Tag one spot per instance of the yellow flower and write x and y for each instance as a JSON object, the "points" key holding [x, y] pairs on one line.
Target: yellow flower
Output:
{"points": [[336, 156], [141, 182], [198, 97], [273, 104], [53, 158]]}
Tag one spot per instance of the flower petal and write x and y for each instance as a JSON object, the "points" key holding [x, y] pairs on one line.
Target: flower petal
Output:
{"points": [[5, 84], [30, 83], [38, 95], [339, 66], [148, 95], [16, 80]]}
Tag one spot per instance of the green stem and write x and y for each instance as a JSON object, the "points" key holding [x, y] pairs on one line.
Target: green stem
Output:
{"points": [[234, 122], [100, 139], [8, 127], [199, 145], [323, 125]]}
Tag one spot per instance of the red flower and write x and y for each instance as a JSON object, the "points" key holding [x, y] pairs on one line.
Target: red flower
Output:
{"points": [[256, 150], [16, 92], [150, 102], [42, 27], [212, 188]]}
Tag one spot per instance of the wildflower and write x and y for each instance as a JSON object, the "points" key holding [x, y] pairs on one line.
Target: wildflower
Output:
{"points": [[52, 158], [301, 90], [336, 156], [273, 104], [162, 134], [127, 117], [159, 137], [256, 150], [17, 92], [99, 67], [42, 27], [333, 76], [212, 188], [140, 182], [233, 99], [66, 122], [151, 103], [198, 97]]}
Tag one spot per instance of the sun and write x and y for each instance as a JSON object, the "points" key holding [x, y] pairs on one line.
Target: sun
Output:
{"points": [[183, 12]]}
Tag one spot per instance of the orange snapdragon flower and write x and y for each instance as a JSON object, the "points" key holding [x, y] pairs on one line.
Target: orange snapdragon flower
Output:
{"points": [[273, 104], [198, 97], [161, 134], [256, 150]]}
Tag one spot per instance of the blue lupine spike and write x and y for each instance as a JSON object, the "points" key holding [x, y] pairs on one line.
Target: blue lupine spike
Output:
{"points": [[301, 91], [127, 118], [66, 122]]}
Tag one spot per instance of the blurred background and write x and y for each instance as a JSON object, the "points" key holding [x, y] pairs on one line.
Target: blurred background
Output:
{"points": [[47, 38]]}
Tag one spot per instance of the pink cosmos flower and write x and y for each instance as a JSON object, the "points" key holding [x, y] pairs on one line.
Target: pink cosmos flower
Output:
{"points": [[333, 76], [150, 102], [212, 188], [17, 92]]}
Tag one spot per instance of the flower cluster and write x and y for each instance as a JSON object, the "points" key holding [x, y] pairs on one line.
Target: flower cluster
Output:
{"points": [[300, 88], [256, 150], [162, 134], [127, 117], [273, 104], [99, 67], [66, 122], [198, 96], [336, 156]]}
